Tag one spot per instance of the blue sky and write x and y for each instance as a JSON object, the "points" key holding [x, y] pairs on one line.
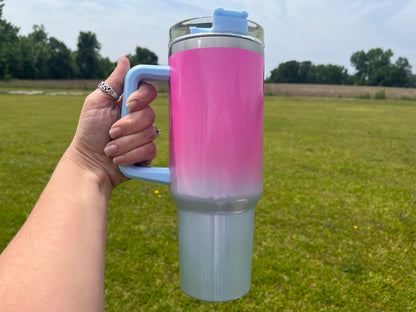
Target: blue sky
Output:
{"points": [[321, 31]]}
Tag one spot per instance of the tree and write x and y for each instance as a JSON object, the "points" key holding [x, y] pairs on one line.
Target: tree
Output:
{"points": [[287, 72], [9, 46], [32, 56], [1, 8], [331, 74], [376, 63], [143, 56], [402, 73], [87, 57], [26, 67], [106, 66], [60, 63], [307, 72], [376, 69], [412, 81], [37, 56], [39, 40]]}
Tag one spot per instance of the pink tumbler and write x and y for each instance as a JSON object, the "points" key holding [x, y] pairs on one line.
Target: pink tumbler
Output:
{"points": [[215, 74]]}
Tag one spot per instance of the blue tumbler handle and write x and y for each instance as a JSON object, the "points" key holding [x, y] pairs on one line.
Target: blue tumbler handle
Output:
{"points": [[133, 78]]}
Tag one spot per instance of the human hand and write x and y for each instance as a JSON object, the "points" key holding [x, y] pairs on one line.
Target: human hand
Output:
{"points": [[103, 140]]}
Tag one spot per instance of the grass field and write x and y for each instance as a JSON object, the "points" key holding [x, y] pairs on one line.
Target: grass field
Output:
{"points": [[335, 229]]}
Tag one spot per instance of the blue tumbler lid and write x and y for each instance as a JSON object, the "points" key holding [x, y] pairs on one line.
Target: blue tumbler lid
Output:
{"points": [[226, 21]]}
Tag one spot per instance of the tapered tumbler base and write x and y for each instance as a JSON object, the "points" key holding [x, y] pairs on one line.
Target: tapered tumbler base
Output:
{"points": [[215, 246]]}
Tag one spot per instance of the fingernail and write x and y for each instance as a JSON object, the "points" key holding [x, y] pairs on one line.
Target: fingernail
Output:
{"points": [[111, 150], [131, 105], [119, 59], [115, 132], [119, 159]]}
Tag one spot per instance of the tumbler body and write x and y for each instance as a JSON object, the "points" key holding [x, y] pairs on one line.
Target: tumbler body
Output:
{"points": [[216, 160]]}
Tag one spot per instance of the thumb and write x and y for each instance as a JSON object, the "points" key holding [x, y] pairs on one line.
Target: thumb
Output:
{"points": [[116, 79]]}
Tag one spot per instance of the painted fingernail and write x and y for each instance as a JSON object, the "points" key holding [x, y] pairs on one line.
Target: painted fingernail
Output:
{"points": [[132, 105], [118, 160], [115, 132], [111, 150]]}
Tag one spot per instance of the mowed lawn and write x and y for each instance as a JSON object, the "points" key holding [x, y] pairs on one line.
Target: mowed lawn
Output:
{"points": [[335, 229]]}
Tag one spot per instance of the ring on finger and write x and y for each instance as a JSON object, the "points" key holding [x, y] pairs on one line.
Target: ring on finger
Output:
{"points": [[107, 89], [157, 131]]}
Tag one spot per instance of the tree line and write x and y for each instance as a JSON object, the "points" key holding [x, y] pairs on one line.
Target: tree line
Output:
{"points": [[374, 68], [38, 56]]}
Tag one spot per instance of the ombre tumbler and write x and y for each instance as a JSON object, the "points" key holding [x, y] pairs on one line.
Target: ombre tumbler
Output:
{"points": [[215, 74]]}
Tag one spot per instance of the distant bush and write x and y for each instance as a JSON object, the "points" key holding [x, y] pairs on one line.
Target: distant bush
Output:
{"points": [[380, 95], [364, 96]]}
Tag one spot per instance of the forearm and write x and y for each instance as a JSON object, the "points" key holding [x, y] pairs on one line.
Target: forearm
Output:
{"points": [[36, 272], [56, 261]]}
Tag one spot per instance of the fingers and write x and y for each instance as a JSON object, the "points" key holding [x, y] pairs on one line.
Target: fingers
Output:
{"points": [[132, 136], [141, 114], [134, 142], [137, 148], [142, 155], [131, 142], [133, 123], [139, 99]]}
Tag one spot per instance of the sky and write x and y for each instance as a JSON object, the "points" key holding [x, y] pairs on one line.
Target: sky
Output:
{"points": [[321, 31]]}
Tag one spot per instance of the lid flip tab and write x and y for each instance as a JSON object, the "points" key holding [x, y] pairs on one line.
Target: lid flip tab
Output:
{"points": [[226, 21]]}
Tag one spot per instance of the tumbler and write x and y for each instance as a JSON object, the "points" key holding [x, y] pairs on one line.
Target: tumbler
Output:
{"points": [[215, 75]]}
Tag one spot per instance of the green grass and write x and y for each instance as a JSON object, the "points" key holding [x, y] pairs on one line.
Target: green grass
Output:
{"points": [[335, 229]]}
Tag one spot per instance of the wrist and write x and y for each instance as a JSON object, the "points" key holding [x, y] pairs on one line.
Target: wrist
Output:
{"points": [[89, 168]]}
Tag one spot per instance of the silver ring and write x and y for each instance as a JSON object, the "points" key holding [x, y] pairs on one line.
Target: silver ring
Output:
{"points": [[157, 131], [107, 89]]}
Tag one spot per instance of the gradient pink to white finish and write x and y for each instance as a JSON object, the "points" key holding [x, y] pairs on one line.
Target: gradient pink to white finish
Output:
{"points": [[216, 122]]}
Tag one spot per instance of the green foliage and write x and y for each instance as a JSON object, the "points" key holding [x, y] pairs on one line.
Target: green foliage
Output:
{"points": [[87, 56], [374, 68], [365, 96], [1, 8], [40, 51], [306, 72], [380, 95], [290, 72], [334, 230], [143, 56], [9, 47], [60, 63], [38, 56]]}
